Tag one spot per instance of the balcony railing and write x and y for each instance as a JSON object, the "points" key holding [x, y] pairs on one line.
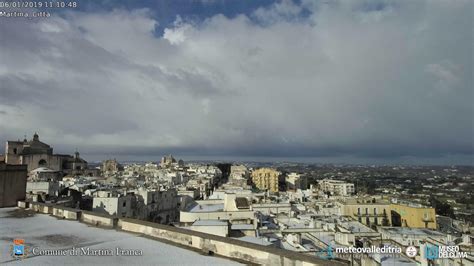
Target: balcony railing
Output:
{"points": [[369, 214]]}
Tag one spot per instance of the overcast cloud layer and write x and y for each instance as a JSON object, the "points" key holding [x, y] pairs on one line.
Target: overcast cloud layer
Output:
{"points": [[339, 78]]}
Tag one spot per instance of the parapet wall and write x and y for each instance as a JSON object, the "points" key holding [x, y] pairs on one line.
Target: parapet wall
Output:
{"points": [[98, 219], [207, 243], [66, 213], [190, 217], [41, 207], [227, 247]]}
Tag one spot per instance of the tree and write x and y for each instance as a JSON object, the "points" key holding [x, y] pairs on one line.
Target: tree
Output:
{"points": [[442, 208]]}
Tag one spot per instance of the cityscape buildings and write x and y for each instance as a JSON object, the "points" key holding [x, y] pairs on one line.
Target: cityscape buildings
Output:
{"points": [[266, 179], [297, 208]]}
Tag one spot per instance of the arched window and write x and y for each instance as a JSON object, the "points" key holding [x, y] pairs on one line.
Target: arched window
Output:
{"points": [[42, 163]]}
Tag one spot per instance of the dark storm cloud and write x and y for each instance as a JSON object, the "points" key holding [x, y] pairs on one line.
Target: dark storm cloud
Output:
{"points": [[17, 90]]}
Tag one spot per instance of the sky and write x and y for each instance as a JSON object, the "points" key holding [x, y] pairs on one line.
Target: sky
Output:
{"points": [[343, 81]]}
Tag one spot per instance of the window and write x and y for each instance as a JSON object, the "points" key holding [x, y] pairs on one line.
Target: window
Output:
{"points": [[42, 162], [15, 150], [124, 203], [358, 210], [375, 210], [366, 210]]}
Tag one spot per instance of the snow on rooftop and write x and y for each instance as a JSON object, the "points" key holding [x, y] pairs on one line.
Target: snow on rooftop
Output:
{"points": [[43, 170], [327, 238], [210, 223], [355, 227], [242, 227], [255, 240], [395, 260], [208, 207], [47, 232], [412, 231]]}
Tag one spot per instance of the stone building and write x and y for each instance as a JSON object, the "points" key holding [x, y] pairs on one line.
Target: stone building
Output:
{"points": [[75, 163], [47, 189], [336, 187], [114, 203], [35, 154], [44, 174], [110, 167], [382, 212], [239, 175], [167, 161], [12, 184], [295, 181], [160, 206], [239, 172], [266, 179]]}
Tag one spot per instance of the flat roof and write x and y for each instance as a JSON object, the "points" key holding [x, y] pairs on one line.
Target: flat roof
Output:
{"points": [[210, 223], [218, 207], [255, 240], [357, 227], [46, 232], [411, 231], [242, 227]]}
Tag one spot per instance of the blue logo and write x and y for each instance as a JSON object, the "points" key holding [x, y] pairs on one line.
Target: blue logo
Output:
{"points": [[327, 253], [431, 252], [18, 249]]}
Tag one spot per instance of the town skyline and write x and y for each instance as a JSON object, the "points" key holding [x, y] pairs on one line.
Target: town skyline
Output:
{"points": [[146, 154]]}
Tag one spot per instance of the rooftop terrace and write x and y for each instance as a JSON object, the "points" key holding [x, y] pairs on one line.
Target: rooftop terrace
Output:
{"points": [[218, 207], [46, 232]]}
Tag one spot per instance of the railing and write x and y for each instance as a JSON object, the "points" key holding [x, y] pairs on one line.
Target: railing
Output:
{"points": [[369, 214]]}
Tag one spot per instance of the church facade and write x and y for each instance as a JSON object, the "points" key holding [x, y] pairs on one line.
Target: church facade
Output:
{"points": [[35, 154]]}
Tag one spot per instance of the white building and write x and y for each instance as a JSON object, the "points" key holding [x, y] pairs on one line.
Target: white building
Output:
{"points": [[50, 188], [296, 181], [44, 174], [239, 172], [236, 210], [411, 236], [159, 206], [337, 187], [114, 203], [213, 227]]}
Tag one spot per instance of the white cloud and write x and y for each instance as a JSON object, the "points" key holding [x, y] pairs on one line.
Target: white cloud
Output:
{"points": [[446, 75], [177, 34]]}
